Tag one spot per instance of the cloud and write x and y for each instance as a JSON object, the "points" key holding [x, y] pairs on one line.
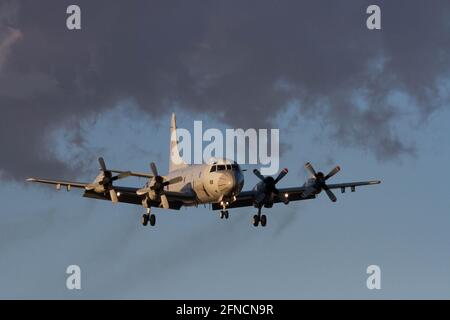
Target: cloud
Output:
{"points": [[6, 42], [8, 35], [249, 59]]}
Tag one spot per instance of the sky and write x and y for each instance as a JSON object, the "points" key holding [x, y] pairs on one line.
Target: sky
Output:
{"points": [[373, 102]]}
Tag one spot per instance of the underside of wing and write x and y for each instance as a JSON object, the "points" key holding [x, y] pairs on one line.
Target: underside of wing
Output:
{"points": [[292, 194], [244, 199], [128, 195], [247, 198], [183, 197]]}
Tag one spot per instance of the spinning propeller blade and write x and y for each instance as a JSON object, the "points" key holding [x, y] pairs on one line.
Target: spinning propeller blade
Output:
{"points": [[320, 179], [332, 172], [154, 169], [330, 193], [310, 169], [101, 161], [164, 201], [258, 174], [113, 196], [270, 182], [159, 182], [281, 175]]}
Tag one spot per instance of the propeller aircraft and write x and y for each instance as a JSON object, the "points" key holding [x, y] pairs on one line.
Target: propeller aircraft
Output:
{"points": [[218, 182]]}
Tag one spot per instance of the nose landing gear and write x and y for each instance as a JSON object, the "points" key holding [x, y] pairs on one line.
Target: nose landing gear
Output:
{"points": [[224, 214], [224, 211]]}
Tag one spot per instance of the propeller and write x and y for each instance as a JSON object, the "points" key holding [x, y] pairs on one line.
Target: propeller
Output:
{"points": [[270, 182], [107, 180], [320, 179], [158, 185]]}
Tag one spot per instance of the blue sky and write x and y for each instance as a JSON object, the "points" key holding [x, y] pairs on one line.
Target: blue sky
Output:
{"points": [[310, 249]]}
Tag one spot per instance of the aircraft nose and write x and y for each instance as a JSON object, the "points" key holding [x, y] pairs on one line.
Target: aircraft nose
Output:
{"points": [[227, 183]]}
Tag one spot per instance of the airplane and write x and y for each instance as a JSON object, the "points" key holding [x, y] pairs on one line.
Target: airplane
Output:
{"points": [[218, 182]]}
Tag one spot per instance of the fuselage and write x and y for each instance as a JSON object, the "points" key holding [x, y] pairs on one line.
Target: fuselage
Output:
{"points": [[218, 180]]}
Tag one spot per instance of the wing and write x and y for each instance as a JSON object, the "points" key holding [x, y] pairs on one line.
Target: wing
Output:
{"points": [[125, 194], [352, 185], [244, 199], [134, 174], [128, 195], [60, 183], [247, 198]]}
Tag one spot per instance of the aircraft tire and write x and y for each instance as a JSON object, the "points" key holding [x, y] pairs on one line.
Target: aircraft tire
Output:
{"points": [[152, 220], [255, 220], [263, 220], [144, 220]]}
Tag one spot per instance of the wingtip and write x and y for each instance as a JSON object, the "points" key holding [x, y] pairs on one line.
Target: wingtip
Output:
{"points": [[30, 179]]}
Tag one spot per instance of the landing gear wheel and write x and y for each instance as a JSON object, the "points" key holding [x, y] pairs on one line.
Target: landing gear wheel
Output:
{"points": [[152, 220], [255, 220], [226, 214], [263, 220], [144, 219]]}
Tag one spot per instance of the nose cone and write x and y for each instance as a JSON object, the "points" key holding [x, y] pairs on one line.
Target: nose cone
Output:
{"points": [[229, 183]]}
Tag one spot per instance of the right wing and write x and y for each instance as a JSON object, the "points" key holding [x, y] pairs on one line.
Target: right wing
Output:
{"points": [[134, 174], [60, 183], [125, 194], [128, 195]]}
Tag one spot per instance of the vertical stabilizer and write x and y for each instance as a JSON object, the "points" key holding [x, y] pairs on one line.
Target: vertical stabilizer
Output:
{"points": [[175, 161]]}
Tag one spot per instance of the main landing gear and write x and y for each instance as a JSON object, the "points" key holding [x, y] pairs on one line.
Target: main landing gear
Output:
{"points": [[147, 217], [259, 218]]}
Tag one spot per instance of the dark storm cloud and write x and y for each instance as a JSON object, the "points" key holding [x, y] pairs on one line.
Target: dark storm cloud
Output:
{"points": [[246, 58]]}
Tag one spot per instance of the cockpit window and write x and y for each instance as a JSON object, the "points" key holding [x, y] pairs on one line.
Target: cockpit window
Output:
{"points": [[235, 166], [213, 169], [228, 166], [220, 167]]}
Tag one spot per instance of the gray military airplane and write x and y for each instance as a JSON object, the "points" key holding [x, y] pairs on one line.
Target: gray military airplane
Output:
{"points": [[218, 182]]}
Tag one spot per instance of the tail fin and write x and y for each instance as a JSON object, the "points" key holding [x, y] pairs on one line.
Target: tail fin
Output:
{"points": [[175, 161]]}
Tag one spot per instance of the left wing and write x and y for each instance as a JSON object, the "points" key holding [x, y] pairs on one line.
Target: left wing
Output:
{"points": [[352, 185], [247, 198]]}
